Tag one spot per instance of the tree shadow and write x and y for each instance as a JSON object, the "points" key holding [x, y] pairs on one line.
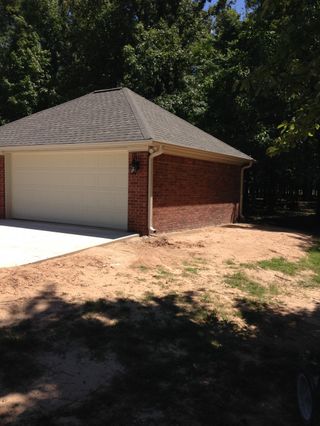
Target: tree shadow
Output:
{"points": [[161, 361], [306, 241]]}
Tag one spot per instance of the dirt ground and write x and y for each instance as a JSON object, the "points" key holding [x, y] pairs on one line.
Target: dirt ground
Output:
{"points": [[86, 327]]}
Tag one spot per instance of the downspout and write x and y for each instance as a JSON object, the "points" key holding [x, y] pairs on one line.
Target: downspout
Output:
{"points": [[242, 187], [154, 152]]}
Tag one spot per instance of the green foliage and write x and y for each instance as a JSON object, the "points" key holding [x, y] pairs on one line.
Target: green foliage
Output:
{"points": [[23, 66], [169, 61], [292, 66]]}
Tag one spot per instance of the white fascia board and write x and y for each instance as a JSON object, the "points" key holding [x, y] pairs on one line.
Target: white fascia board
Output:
{"points": [[131, 146], [180, 151]]}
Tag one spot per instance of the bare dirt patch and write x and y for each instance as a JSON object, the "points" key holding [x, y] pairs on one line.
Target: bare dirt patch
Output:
{"points": [[157, 316]]}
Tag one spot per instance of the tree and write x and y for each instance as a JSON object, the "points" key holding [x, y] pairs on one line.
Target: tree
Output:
{"points": [[292, 69], [169, 61], [23, 65]]}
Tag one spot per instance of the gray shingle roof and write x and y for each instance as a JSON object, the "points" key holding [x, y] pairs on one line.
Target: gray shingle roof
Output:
{"points": [[109, 116]]}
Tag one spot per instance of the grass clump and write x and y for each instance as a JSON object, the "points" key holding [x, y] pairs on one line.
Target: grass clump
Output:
{"points": [[280, 264], [194, 266], [311, 262], [191, 270], [164, 274], [148, 297], [241, 281]]}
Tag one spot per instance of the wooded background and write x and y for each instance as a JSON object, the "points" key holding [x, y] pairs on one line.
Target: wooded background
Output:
{"points": [[252, 81]]}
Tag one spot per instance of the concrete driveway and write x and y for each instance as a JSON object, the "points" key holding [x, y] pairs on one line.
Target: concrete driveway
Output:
{"points": [[23, 242]]}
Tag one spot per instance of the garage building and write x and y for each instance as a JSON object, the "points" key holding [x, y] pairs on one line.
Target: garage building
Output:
{"points": [[114, 159]]}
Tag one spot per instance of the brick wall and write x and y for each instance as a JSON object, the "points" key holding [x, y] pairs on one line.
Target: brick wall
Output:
{"points": [[192, 193], [2, 188], [138, 195]]}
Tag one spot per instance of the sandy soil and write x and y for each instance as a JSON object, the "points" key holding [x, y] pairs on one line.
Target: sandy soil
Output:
{"points": [[192, 262], [123, 269]]}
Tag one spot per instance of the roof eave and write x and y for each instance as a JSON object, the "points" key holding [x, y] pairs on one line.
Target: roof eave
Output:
{"points": [[137, 145], [200, 154]]}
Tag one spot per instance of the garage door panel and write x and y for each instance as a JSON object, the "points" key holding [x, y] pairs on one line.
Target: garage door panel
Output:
{"points": [[89, 188]]}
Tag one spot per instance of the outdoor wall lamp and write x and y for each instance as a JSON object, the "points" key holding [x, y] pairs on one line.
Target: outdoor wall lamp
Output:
{"points": [[134, 166]]}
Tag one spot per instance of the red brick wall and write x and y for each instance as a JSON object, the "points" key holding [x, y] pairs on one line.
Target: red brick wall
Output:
{"points": [[138, 195], [2, 188], [192, 193]]}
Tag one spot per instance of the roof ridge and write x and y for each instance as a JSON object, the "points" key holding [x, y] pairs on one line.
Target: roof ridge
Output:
{"points": [[138, 114], [113, 89], [189, 124]]}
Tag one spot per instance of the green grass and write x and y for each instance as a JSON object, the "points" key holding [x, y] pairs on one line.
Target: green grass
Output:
{"points": [[241, 281], [194, 266], [311, 262], [164, 274], [273, 289], [280, 264], [191, 270]]}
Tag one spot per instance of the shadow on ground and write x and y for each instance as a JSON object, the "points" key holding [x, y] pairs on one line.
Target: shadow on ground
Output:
{"points": [[162, 361]]}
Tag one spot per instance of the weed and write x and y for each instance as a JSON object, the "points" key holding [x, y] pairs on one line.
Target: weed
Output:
{"points": [[163, 273], [191, 270], [205, 298], [143, 268], [148, 297], [230, 262], [200, 260]]}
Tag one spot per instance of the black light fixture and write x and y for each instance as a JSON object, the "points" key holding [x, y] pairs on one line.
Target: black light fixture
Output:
{"points": [[135, 165]]}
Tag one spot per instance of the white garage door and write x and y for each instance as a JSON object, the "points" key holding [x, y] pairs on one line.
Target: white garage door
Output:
{"points": [[85, 188]]}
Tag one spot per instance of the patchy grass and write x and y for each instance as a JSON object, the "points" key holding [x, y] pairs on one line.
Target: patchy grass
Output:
{"points": [[163, 273], [194, 266], [280, 264], [242, 282], [273, 289], [191, 270], [311, 262]]}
